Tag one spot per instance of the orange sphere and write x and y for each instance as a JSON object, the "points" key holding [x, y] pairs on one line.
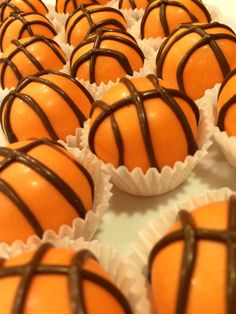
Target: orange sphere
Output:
{"points": [[226, 105], [49, 104], [197, 56], [28, 56], [69, 6], [140, 123], [133, 4], [162, 16], [58, 280], [21, 25], [42, 187], [8, 6], [115, 52], [89, 17], [192, 268]]}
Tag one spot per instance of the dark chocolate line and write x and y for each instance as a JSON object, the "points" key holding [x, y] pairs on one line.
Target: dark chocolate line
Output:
{"points": [[223, 112], [227, 78], [76, 276], [6, 62], [190, 234], [20, 204], [27, 276]]}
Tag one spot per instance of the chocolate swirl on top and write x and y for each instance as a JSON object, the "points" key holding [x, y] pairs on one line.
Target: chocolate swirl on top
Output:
{"points": [[91, 55], [232, 101], [9, 4], [27, 25], [163, 5], [8, 102], [22, 47], [75, 3], [206, 39], [21, 155], [75, 273], [138, 99], [86, 11], [190, 234]]}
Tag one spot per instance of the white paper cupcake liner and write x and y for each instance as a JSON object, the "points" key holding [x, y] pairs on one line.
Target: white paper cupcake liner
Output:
{"points": [[152, 182], [129, 282], [157, 228], [226, 143], [81, 227]]}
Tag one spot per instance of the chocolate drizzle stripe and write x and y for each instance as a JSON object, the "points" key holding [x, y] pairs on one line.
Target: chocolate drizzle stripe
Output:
{"points": [[21, 293], [206, 39], [37, 22], [223, 112], [86, 13], [29, 101], [20, 204], [76, 276], [227, 78], [23, 48], [190, 234], [59, 184], [166, 96]]}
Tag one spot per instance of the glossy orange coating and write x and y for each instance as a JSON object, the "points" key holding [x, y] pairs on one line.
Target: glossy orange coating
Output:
{"points": [[200, 69], [69, 6], [47, 203], [227, 101], [21, 25], [133, 4], [106, 67], [78, 26], [51, 293], [173, 13], [64, 101], [166, 132], [207, 293], [8, 6], [47, 56]]}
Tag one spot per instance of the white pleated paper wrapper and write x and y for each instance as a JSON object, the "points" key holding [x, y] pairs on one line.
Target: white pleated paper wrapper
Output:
{"points": [[130, 282], [226, 143], [152, 182], [158, 227], [81, 227]]}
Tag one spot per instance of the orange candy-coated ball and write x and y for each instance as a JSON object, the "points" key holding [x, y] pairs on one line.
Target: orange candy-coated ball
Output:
{"points": [[226, 105], [139, 123], [28, 56], [162, 16], [42, 187], [58, 280], [21, 25], [89, 17], [69, 6], [49, 104], [8, 6], [192, 268], [197, 56], [105, 56]]}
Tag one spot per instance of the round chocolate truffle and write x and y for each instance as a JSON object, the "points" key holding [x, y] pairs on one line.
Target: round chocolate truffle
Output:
{"points": [[192, 268], [197, 56], [28, 56], [133, 4], [58, 280], [140, 123], [42, 187], [226, 105], [162, 16], [69, 6], [8, 6], [21, 25], [49, 104], [115, 52], [89, 17]]}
